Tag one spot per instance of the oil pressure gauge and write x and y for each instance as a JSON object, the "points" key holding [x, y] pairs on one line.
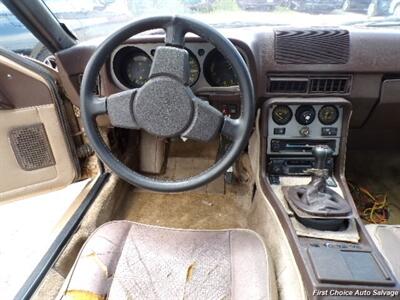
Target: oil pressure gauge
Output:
{"points": [[282, 114], [328, 114]]}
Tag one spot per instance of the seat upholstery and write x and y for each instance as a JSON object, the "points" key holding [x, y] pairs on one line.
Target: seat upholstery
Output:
{"points": [[387, 239], [127, 260]]}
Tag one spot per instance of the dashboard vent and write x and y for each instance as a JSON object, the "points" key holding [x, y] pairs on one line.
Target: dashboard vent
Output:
{"points": [[319, 46], [309, 84], [283, 85], [328, 85]]}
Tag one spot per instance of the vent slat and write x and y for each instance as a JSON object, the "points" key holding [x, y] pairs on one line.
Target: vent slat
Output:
{"points": [[312, 46], [328, 85], [311, 85], [288, 86]]}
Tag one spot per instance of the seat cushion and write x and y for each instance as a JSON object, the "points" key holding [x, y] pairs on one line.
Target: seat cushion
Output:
{"points": [[387, 239], [127, 260]]}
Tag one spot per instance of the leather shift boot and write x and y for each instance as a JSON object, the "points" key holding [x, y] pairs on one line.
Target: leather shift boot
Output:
{"points": [[316, 199]]}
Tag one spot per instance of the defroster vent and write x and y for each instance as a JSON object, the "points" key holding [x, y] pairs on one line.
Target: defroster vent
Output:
{"points": [[312, 46]]}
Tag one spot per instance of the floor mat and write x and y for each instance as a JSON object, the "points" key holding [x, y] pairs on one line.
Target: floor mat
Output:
{"points": [[215, 205], [183, 210], [379, 173], [184, 167], [212, 206]]}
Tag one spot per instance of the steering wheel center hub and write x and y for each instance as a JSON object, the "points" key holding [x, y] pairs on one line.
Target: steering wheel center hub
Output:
{"points": [[163, 107]]}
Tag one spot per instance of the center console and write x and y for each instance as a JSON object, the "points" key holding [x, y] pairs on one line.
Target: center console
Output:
{"points": [[303, 150], [294, 129]]}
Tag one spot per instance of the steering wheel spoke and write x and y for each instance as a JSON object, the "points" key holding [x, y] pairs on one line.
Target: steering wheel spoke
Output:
{"points": [[230, 128], [207, 122], [96, 106], [119, 109], [175, 33], [172, 62]]}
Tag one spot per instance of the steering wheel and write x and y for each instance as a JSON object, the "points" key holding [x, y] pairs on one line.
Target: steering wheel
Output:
{"points": [[165, 105]]}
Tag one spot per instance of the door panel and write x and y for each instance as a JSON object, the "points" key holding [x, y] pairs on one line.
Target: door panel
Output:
{"points": [[35, 154]]}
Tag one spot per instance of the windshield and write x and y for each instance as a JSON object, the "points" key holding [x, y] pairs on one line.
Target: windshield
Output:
{"points": [[92, 18], [89, 19]]}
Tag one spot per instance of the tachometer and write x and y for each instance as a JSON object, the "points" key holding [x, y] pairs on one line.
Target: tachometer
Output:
{"points": [[218, 71], [194, 68]]}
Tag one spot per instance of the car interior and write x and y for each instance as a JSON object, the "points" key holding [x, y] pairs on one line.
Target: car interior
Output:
{"points": [[230, 163]]}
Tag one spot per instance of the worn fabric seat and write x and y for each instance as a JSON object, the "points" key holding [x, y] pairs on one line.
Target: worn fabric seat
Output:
{"points": [[127, 260], [387, 239]]}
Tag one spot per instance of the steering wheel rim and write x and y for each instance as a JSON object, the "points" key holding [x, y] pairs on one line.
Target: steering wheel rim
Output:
{"points": [[238, 130]]}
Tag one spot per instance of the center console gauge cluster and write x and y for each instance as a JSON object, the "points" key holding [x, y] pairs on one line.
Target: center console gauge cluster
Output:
{"points": [[305, 114], [296, 128]]}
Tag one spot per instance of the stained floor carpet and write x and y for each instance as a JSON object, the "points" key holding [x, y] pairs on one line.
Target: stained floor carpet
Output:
{"points": [[379, 173], [184, 210]]}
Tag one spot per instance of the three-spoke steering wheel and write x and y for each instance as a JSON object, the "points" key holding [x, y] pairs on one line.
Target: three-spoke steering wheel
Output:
{"points": [[165, 105]]}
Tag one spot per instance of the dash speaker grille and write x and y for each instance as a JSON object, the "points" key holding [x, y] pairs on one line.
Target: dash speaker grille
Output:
{"points": [[31, 147], [312, 46]]}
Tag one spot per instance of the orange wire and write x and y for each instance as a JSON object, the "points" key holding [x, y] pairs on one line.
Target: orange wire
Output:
{"points": [[376, 213]]}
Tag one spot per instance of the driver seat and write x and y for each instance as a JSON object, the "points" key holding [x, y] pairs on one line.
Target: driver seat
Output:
{"points": [[127, 260]]}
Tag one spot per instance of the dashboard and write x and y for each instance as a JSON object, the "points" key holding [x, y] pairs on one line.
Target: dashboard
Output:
{"points": [[350, 63]]}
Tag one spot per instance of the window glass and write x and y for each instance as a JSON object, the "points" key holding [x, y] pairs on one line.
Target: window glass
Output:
{"points": [[16, 37]]}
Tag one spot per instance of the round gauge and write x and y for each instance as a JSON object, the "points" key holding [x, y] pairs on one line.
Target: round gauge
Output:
{"points": [[218, 71], [328, 114], [305, 114], [138, 69], [282, 114], [194, 68], [131, 67]]}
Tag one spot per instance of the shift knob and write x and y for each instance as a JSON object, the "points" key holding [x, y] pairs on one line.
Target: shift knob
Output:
{"points": [[321, 154]]}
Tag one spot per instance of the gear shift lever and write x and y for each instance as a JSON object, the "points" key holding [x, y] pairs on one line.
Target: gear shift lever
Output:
{"points": [[321, 154], [316, 199]]}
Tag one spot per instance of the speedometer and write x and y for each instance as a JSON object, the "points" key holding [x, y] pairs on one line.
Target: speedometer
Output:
{"points": [[138, 69], [218, 71], [131, 67]]}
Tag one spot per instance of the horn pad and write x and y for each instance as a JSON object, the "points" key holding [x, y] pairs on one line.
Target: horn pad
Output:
{"points": [[163, 107]]}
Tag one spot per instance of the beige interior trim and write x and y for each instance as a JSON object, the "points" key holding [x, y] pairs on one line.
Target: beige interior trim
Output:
{"points": [[289, 280], [75, 205], [13, 65], [152, 153], [16, 183], [34, 100]]}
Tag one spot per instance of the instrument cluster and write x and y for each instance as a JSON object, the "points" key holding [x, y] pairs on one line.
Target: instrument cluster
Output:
{"points": [[131, 64]]}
